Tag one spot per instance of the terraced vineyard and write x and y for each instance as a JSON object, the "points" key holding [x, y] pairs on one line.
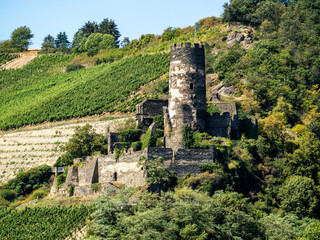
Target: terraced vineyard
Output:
{"points": [[22, 150]]}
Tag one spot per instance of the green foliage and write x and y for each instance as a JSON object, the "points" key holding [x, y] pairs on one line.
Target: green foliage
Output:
{"points": [[61, 179], [158, 175], [187, 136], [25, 182], [74, 67], [84, 142], [183, 214], [312, 232], [300, 196], [106, 27], [40, 91], [48, 45], [7, 47], [34, 223], [21, 37], [6, 57], [71, 190], [96, 187], [159, 121], [130, 135], [227, 62], [97, 41], [211, 109], [169, 34], [305, 160], [137, 146], [8, 194], [149, 139], [61, 42], [39, 193]]}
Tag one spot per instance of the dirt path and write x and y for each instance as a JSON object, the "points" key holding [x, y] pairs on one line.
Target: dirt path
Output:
{"points": [[25, 57]]}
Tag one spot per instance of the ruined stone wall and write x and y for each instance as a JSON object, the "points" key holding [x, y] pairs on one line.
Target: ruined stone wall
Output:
{"points": [[219, 125], [232, 109], [188, 160], [112, 138], [151, 107], [125, 169]]}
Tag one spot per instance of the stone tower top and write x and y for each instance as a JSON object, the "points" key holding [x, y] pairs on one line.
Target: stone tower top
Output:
{"points": [[186, 45]]}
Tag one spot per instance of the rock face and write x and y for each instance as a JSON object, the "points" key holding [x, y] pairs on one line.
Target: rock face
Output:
{"points": [[242, 36]]}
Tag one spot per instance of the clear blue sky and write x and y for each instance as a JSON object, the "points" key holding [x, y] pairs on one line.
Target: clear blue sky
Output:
{"points": [[133, 17]]}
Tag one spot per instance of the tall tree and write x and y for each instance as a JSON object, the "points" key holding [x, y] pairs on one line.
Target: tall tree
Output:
{"points": [[48, 44], [62, 43], [21, 37], [89, 28], [109, 27]]}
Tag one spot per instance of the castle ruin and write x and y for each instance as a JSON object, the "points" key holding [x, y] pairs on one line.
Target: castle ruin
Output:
{"points": [[187, 105]]}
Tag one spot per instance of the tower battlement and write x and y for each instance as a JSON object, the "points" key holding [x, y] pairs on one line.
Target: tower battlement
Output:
{"points": [[186, 45]]}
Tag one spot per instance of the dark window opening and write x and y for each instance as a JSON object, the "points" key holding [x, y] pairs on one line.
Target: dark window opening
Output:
{"points": [[115, 176], [191, 85]]}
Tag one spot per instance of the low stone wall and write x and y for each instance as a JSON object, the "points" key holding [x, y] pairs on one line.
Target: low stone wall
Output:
{"points": [[165, 153], [188, 160]]}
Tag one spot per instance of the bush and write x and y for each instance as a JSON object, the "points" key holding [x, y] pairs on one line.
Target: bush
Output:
{"points": [[25, 182], [39, 193], [61, 179], [188, 137], [130, 135], [74, 67], [149, 140], [96, 187], [71, 190], [8, 194], [299, 196], [136, 146], [84, 142], [159, 121]]}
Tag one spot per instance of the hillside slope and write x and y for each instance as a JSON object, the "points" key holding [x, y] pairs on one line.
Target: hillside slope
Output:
{"points": [[23, 59], [24, 149]]}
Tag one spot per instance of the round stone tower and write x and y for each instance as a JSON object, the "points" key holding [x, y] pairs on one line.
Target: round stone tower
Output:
{"points": [[187, 87]]}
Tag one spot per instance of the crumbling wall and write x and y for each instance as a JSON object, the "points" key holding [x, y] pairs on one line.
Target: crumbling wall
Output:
{"points": [[232, 109], [147, 110], [219, 125], [112, 140], [188, 160]]}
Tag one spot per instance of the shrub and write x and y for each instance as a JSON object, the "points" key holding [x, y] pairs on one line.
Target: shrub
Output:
{"points": [[25, 182], [188, 137], [39, 193], [84, 142], [71, 190], [136, 146], [130, 135], [74, 67], [159, 121], [8, 194], [299, 196], [149, 140], [96, 187]]}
